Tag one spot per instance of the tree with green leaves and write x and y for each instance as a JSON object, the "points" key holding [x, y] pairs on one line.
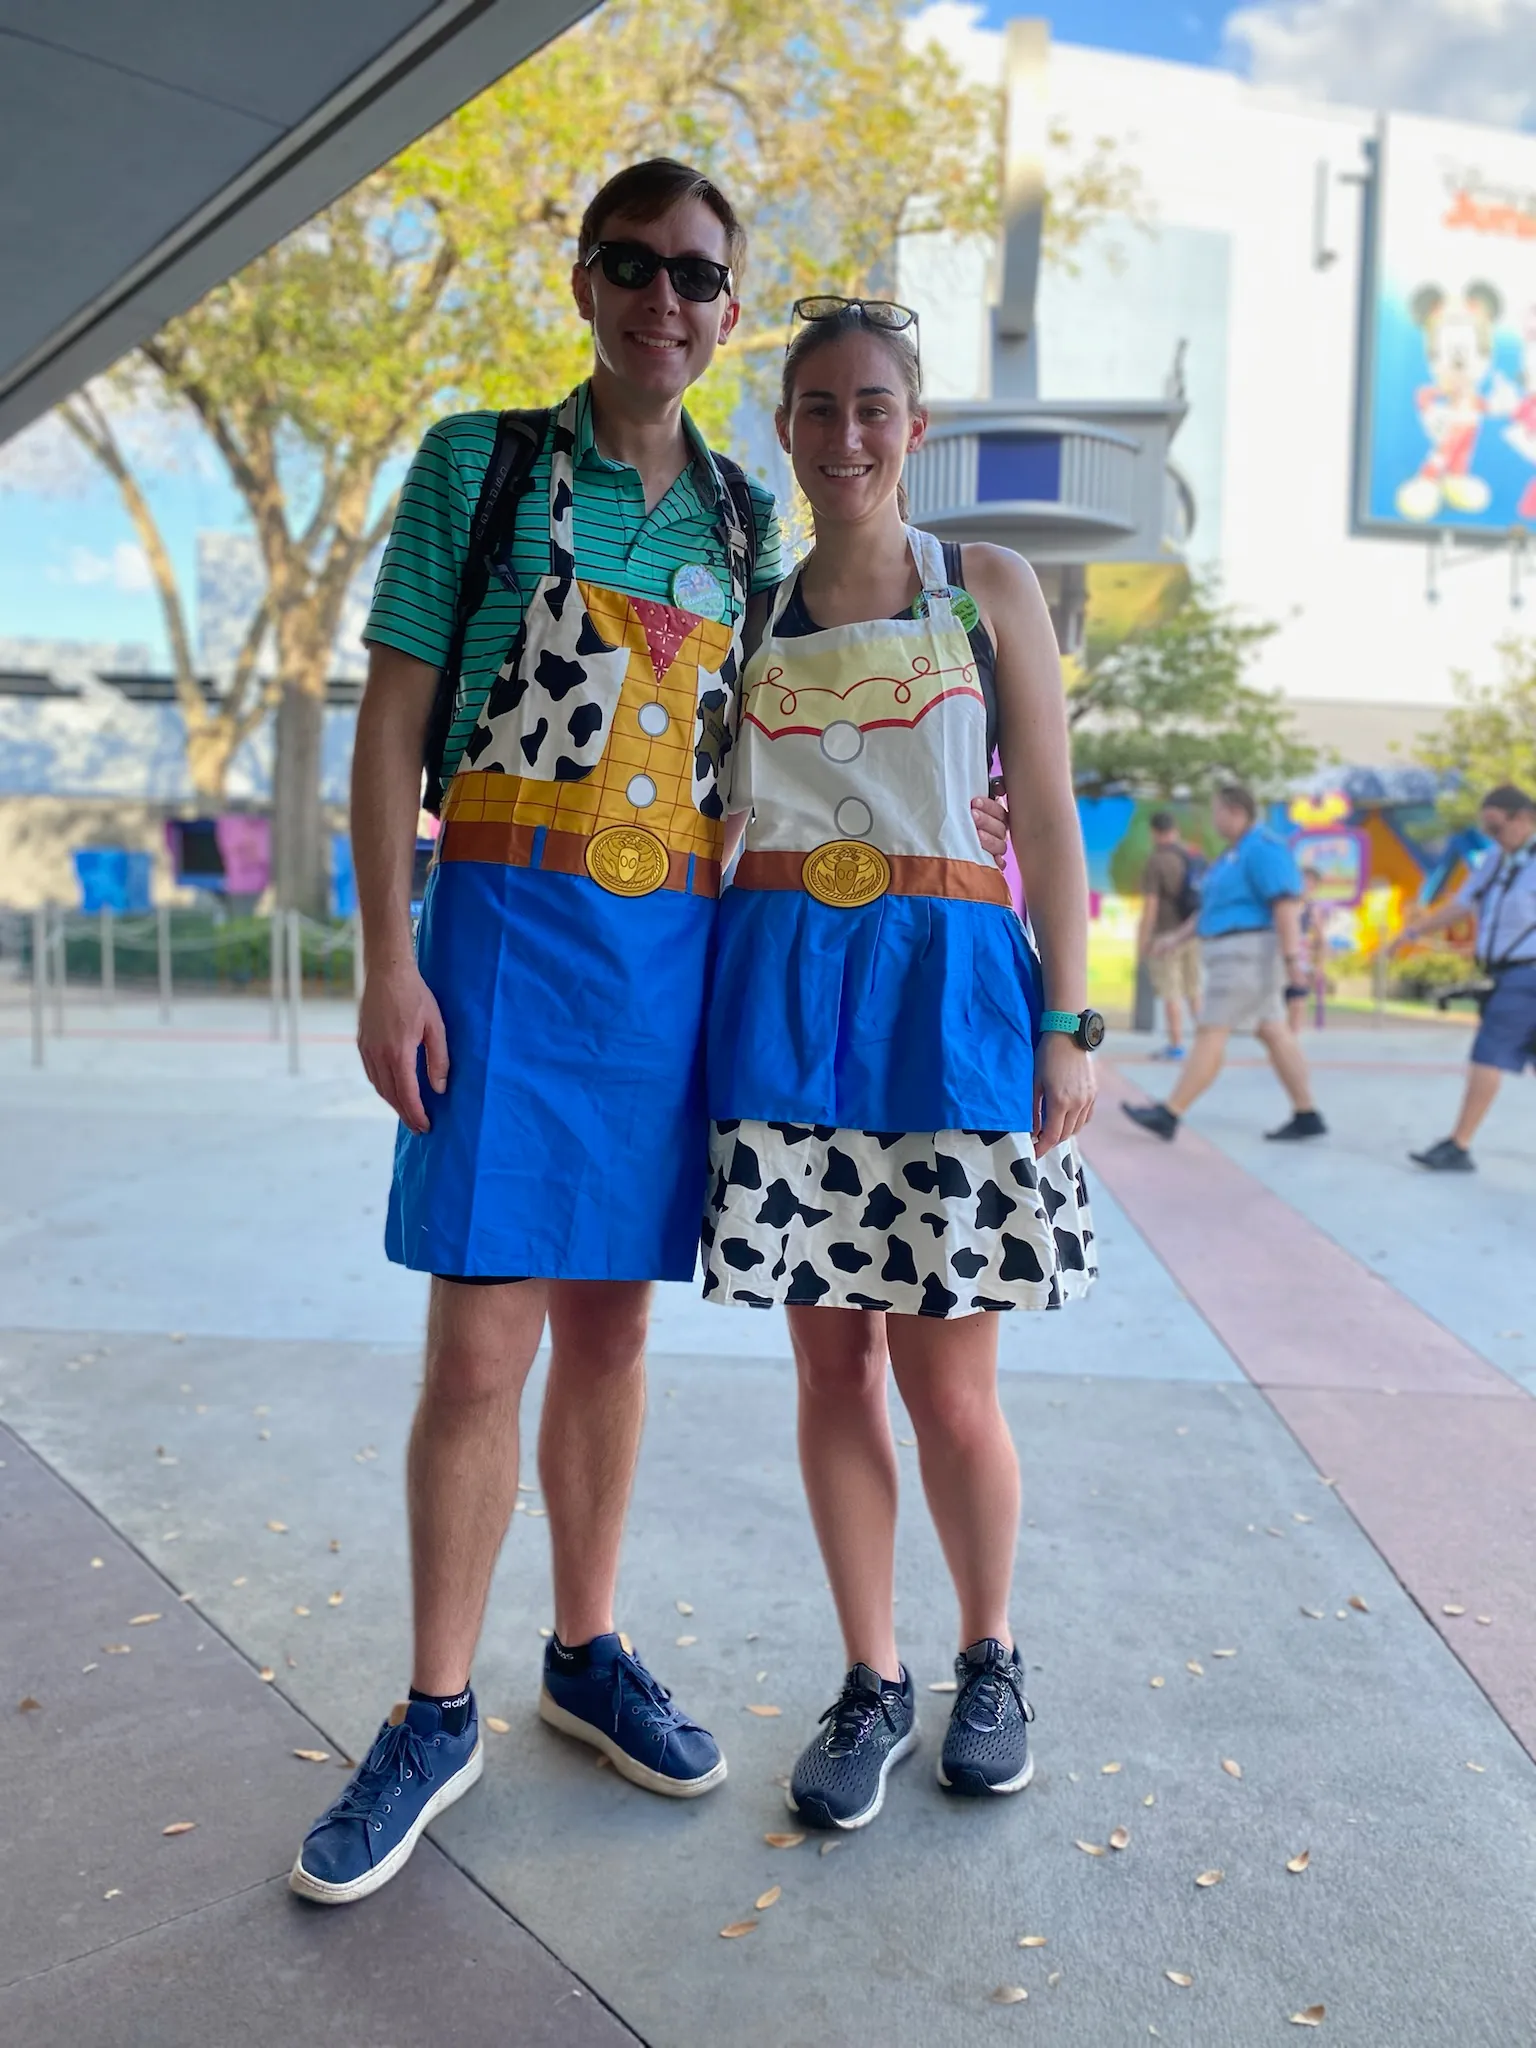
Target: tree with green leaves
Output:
{"points": [[1489, 737], [442, 282], [1168, 709]]}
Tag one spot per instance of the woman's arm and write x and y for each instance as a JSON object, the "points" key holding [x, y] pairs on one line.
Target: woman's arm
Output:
{"points": [[1037, 771]]}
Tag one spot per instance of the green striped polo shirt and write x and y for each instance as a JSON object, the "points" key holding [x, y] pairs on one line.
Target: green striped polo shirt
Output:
{"points": [[618, 544]]}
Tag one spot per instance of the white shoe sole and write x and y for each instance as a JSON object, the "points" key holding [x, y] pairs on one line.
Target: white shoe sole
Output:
{"points": [[862, 1820], [1013, 1785], [626, 1766], [326, 1894]]}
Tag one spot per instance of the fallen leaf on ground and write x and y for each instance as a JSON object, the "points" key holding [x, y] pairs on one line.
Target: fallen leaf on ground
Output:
{"points": [[737, 1927], [115, 1893], [771, 1897], [1109, 1770], [1453, 1610], [117, 1649], [313, 1756], [266, 1674], [783, 1841], [301, 1611], [1092, 1848], [1479, 1768], [278, 1528], [1274, 1532], [1313, 1613], [143, 1620], [546, 1633], [29, 1705], [1209, 1877], [1198, 1670], [238, 1582], [179, 1827], [1179, 1977], [335, 1544], [828, 1847], [1300, 1518], [1054, 1979], [943, 1685], [1156, 1681], [1009, 1994], [765, 1713], [334, 1599], [1360, 1608], [1310, 2016], [1233, 1770], [1223, 1653], [686, 1642], [96, 1564], [1483, 1620], [908, 1443], [1120, 1839], [685, 1607], [1297, 1864], [1033, 1940], [1150, 1800], [497, 1726], [524, 1487], [537, 1512]]}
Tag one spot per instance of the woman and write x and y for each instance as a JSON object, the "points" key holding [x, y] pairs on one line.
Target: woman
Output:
{"points": [[890, 1144]]}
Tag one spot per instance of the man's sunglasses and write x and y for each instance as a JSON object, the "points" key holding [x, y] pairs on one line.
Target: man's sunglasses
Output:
{"points": [[877, 312], [632, 266]]}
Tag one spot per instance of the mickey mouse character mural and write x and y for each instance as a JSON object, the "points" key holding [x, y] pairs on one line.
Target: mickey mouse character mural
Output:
{"points": [[1519, 402], [1458, 343]]}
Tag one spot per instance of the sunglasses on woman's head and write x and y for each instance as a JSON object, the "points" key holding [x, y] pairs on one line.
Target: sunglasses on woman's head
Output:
{"points": [[631, 266], [878, 312]]}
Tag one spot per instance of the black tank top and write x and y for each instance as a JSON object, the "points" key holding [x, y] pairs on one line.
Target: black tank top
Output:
{"points": [[795, 622]]}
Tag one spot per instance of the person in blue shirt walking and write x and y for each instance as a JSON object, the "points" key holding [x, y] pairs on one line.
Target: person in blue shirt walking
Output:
{"points": [[1501, 889], [1251, 949]]}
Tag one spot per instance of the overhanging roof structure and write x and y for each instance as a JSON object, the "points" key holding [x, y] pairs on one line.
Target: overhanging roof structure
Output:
{"points": [[148, 151]]}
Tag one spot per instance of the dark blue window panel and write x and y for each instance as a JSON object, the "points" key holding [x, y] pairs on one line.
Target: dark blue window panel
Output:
{"points": [[1019, 466]]}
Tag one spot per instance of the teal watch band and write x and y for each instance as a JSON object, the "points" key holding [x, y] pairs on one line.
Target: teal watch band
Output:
{"points": [[1059, 1020]]}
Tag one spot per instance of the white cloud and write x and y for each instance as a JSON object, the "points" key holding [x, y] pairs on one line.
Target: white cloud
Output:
{"points": [[955, 25], [1469, 60], [126, 568]]}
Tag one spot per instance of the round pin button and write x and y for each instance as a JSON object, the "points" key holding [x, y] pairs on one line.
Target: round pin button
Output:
{"points": [[697, 589]]}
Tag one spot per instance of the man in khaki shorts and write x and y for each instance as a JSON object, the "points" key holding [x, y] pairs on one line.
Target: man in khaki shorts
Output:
{"points": [[1249, 925], [1170, 898]]}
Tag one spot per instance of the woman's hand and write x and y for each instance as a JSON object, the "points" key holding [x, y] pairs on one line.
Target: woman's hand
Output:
{"points": [[1065, 1088], [991, 826]]}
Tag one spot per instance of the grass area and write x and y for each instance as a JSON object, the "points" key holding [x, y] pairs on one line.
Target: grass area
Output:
{"points": [[207, 952]]}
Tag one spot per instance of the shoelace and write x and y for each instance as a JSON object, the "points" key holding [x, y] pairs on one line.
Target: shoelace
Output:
{"points": [[649, 1697], [399, 1750], [981, 1696], [852, 1715]]}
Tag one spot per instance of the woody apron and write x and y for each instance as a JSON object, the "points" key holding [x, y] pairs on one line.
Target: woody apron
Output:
{"points": [[876, 1001], [566, 934]]}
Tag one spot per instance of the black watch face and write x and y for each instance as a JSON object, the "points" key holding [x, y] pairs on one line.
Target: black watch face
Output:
{"points": [[1090, 1030]]}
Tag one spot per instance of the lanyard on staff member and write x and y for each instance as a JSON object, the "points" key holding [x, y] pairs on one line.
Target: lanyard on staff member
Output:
{"points": [[1508, 872]]}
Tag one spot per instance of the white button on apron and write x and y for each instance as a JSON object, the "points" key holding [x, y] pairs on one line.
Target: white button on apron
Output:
{"points": [[853, 817], [641, 791], [653, 721], [842, 741]]}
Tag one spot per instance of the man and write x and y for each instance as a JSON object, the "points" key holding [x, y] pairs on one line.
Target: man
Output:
{"points": [[554, 1019], [1501, 890], [1249, 924], [1169, 898]]}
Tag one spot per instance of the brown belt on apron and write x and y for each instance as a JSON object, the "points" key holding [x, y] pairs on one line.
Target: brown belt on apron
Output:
{"points": [[564, 853], [910, 875]]}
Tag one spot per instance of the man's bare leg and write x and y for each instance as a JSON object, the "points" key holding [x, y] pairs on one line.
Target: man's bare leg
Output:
{"points": [[1290, 1065], [1173, 1021], [589, 1441], [1477, 1100], [1201, 1068], [461, 1470]]}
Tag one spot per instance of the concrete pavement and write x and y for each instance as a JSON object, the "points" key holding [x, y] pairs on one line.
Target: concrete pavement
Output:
{"points": [[200, 1338]]}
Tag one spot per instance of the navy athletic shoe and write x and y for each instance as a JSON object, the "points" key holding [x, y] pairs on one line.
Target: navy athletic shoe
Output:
{"points": [[839, 1780], [986, 1748], [414, 1770], [603, 1695]]}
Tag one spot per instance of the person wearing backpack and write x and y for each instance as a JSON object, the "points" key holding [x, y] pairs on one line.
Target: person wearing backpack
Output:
{"points": [[554, 638], [1170, 898]]}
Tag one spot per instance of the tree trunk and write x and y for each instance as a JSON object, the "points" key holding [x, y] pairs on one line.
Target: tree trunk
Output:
{"points": [[300, 863]]}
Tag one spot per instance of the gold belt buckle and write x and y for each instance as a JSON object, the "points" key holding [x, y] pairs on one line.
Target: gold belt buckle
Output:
{"points": [[847, 873], [626, 860]]}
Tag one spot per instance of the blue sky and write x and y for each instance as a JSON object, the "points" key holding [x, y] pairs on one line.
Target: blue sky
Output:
{"points": [[1188, 31]]}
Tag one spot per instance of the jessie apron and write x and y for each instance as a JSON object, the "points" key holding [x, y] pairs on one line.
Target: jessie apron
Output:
{"points": [[566, 933], [876, 1002]]}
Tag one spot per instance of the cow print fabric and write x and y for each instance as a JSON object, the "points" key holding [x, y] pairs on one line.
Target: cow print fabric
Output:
{"points": [[927, 1223]]}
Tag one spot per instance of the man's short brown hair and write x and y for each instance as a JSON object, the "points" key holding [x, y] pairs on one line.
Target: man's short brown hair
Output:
{"points": [[646, 191], [1509, 798], [1237, 796]]}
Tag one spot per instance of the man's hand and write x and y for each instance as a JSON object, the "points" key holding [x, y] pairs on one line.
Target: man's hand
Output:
{"points": [[991, 818], [1065, 1088], [398, 1014]]}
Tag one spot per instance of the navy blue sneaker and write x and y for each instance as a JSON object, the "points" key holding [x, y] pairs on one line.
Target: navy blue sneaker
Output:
{"points": [[986, 1748], [414, 1770], [603, 1695], [839, 1779]]}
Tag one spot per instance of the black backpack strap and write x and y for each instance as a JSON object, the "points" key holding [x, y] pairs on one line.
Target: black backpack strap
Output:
{"points": [[952, 564], [519, 441], [734, 479]]}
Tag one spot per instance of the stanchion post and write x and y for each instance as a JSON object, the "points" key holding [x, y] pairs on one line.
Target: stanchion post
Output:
{"points": [[276, 939], [60, 970], [1379, 982], [163, 949], [295, 988], [108, 957], [39, 984]]}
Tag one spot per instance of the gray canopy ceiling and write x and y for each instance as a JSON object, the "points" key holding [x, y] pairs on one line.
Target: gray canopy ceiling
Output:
{"points": [[148, 150]]}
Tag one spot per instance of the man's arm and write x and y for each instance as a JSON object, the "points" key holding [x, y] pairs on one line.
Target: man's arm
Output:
{"points": [[1286, 911], [1450, 912], [398, 1012]]}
